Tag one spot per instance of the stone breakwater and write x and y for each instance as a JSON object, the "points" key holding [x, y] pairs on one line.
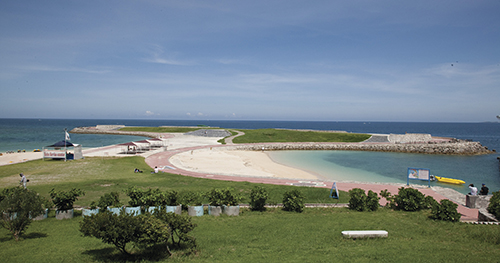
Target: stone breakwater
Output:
{"points": [[449, 148]]}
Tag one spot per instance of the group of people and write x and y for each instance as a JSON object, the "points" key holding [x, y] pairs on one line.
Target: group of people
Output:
{"points": [[473, 190], [136, 170]]}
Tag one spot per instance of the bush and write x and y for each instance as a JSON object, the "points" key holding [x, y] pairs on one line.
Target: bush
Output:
{"points": [[119, 230], [409, 199], [172, 198], [17, 207], [372, 201], [293, 201], [136, 196], [64, 200], [446, 211], [191, 198], [258, 198], [109, 200], [494, 206], [357, 199], [215, 197]]}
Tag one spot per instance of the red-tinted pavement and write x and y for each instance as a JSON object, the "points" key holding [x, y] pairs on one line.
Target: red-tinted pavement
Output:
{"points": [[162, 159]]}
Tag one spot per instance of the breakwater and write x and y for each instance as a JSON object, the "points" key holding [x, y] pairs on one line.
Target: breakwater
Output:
{"points": [[455, 147]]}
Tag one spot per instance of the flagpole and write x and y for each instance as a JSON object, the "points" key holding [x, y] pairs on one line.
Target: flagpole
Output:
{"points": [[65, 132]]}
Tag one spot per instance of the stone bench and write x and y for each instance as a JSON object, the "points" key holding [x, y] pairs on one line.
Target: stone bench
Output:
{"points": [[364, 233]]}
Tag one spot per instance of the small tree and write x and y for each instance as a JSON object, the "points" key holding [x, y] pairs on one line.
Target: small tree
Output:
{"points": [[180, 226], [119, 230], [446, 211], [293, 201], [191, 198], [494, 206], [258, 198], [17, 207], [172, 198], [64, 200], [215, 197]]}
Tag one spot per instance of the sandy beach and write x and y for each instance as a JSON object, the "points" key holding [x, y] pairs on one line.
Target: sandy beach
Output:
{"points": [[235, 163]]}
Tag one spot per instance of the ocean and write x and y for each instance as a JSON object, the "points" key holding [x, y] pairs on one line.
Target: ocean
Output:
{"points": [[29, 134]]}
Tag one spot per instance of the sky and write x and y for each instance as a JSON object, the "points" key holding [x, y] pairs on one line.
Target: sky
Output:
{"points": [[431, 61]]}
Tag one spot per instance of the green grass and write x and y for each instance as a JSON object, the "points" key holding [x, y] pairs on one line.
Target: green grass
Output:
{"points": [[278, 236], [271, 236], [97, 176], [276, 135]]}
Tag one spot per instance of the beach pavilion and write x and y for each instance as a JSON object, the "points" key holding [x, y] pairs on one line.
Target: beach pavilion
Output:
{"points": [[63, 150]]}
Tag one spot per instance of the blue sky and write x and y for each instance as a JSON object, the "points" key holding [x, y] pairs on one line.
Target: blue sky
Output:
{"points": [[251, 60]]}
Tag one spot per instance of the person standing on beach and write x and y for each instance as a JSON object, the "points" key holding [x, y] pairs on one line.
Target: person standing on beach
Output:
{"points": [[23, 180], [484, 190], [473, 189]]}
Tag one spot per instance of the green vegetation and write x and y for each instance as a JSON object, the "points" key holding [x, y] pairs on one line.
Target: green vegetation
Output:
{"points": [[276, 135], [494, 206], [293, 201], [274, 235], [359, 201], [17, 208]]}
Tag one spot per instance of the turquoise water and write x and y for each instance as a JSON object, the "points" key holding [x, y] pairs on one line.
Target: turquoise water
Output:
{"points": [[386, 167]]}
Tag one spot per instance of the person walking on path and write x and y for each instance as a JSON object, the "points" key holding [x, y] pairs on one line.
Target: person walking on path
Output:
{"points": [[473, 189], [23, 180], [484, 190]]}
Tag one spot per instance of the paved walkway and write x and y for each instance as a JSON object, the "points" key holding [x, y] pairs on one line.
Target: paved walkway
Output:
{"points": [[162, 161]]}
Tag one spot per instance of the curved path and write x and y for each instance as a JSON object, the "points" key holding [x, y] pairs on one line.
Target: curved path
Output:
{"points": [[162, 161]]}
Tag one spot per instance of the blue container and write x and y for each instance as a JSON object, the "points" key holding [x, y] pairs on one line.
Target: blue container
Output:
{"points": [[133, 210], [89, 212], [174, 209], [195, 210], [115, 210]]}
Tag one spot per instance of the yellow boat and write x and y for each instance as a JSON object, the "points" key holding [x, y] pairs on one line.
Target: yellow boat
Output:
{"points": [[449, 180]]}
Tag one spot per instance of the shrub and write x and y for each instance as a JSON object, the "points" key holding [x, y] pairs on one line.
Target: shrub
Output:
{"points": [[17, 207], [409, 199], [258, 198], [109, 200], [64, 200], [191, 198], [430, 202], [172, 198], [446, 211], [372, 201], [293, 201], [136, 196], [230, 198], [357, 199], [494, 206], [143, 230], [215, 197]]}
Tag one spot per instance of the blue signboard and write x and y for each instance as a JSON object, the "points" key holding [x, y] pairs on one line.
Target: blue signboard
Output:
{"points": [[419, 174]]}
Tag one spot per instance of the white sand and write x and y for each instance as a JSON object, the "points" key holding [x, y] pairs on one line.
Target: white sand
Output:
{"points": [[11, 158], [235, 163]]}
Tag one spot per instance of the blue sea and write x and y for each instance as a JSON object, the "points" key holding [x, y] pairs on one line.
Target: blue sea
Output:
{"points": [[29, 134]]}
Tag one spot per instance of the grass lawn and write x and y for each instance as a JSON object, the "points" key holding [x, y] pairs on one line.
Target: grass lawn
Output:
{"points": [[279, 236], [271, 236], [276, 135]]}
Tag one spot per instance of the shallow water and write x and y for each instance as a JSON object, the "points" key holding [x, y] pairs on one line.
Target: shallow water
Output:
{"points": [[386, 167]]}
